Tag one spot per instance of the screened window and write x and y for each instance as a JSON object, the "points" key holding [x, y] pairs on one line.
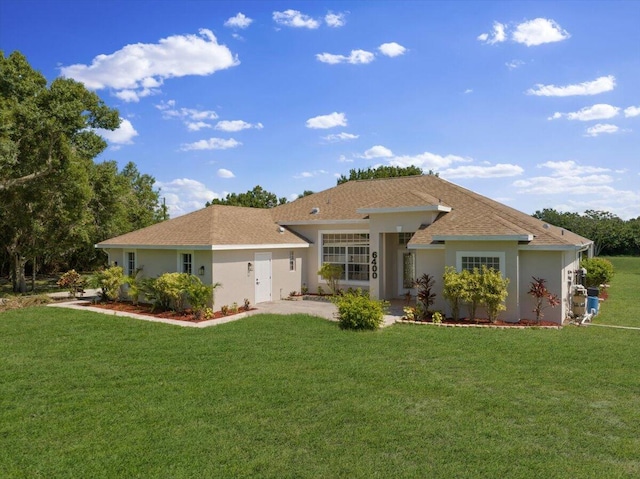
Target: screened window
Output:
{"points": [[131, 263], [187, 264], [471, 262], [350, 251]]}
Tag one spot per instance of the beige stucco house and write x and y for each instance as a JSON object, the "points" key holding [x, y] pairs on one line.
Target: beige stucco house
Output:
{"points": [[384, 233]]}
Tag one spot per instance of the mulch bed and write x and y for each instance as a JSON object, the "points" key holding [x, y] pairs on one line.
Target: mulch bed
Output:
{"points": [[523, 323], [145, 309]]}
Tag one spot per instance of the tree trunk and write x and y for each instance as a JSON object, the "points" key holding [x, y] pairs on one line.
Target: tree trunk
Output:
{"points": [[20, 285], [33, 274]]}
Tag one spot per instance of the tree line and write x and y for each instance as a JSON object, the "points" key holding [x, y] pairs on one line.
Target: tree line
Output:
{"points": [[612, 236], [55, 201]]}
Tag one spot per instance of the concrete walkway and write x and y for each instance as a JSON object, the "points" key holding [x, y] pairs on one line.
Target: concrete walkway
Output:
{"points": [[313, 308]]}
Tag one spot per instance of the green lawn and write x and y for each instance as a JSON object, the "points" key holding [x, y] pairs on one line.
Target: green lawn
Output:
{"points": [[91, 395], [622, 308]]}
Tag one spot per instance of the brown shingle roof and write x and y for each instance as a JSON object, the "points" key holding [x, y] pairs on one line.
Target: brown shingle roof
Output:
{"points": [[472, 214], [217, 225]]}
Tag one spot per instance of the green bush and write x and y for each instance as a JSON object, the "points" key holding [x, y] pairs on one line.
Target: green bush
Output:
{"points": [[175, 290], [357, 311], [110, 280], [453, 290], [331, 273], [599, 271], [494, 291]]}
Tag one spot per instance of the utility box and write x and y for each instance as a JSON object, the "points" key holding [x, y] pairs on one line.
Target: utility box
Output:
{"points": [[579, 301]]}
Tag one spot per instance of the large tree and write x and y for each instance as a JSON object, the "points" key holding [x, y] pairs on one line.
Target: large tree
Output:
{"points": [[255, 198], [47, 145]]}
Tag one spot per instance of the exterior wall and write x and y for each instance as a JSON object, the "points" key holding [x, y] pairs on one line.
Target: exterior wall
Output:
{"points": [[432, 261], [311, 255], [549, 265], [510, 268], [230, 268]]}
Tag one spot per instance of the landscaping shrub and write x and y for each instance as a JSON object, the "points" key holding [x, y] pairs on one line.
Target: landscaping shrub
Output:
{"points": [[110, 281], [174, 290], [493, 291], [425, 297], [72, 281], [453, 290], [599, 271], [358, 311], [472, 292], [331, 273], [541, 294]]}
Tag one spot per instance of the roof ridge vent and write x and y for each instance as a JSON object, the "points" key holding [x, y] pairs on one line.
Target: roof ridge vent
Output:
{"points": [[315, 210]]}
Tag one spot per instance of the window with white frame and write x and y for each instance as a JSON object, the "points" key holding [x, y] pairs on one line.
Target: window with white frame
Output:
{"points": [[292, 260], [130, 263], [470, 260], [350, 251], [403, 238], [187, 263]]}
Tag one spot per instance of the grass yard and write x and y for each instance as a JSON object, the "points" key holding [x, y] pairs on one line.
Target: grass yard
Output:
{"points": [[90, 395], [623, 306]]}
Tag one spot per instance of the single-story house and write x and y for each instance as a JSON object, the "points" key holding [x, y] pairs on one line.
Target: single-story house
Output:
{"points": [[383, 232]]}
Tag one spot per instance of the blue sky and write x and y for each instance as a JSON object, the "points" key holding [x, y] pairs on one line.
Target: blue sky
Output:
{"points": [[534, 104]]}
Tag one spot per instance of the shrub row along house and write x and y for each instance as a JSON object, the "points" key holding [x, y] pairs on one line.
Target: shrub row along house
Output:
{"points": [[384, 233]]}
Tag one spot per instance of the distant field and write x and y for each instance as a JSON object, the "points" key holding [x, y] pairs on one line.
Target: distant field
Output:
{"points": [[96, 396]]}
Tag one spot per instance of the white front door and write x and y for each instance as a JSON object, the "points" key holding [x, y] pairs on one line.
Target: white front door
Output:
{"points": [[263, 277]]}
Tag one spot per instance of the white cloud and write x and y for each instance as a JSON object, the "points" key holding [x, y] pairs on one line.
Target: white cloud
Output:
{"points": [[467, 91], [310, 174], [184, 195], [571, 168], [377, 151], [392, 49], [239, 21], [224, 173], [327, 121], [601, 128], [513, 64], [599, 85], [428, 161], [236, 125], [130, 70], [335, 20], [123, 135], [343, 136], [296, 19], [539, 31], [344, 159], [601, 111], [498, 34], [197, 125], [211, 144], [356, 57], [192, 118], [499, 170], [632, 111]]}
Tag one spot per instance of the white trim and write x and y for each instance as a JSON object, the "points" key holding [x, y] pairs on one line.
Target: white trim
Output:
{"points": [[179, 268], [483, 237], [571, 247], [426, 246], [204, 247], [258, 246], [125, 261], [405, 209], [501, 255], [320, 248], [324, 222]]}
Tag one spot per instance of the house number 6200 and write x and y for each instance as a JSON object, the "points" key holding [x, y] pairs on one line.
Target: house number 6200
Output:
{"points": [[374, 265]]}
